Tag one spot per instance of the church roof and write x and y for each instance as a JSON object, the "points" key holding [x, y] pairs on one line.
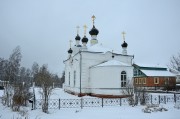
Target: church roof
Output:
{"points": [[124, 44], [70, 51], [99, 48], [157, 73], [84, 39], [94, 31], [112, 63], [78, 37]]}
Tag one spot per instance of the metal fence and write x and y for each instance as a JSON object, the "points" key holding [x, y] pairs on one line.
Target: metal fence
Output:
{"points": [[162, 99], [101, 102], [81, 103]]}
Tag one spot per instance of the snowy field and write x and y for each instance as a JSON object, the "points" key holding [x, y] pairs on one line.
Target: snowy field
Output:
{"points": [[121, 112]]}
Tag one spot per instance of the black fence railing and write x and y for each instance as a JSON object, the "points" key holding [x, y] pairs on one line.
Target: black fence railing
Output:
{"points": [[162, 99], [101, 102], [81, 103]]}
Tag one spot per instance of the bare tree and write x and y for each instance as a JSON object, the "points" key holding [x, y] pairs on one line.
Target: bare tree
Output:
{"points": [[16, 91], [13, 65], [34, 72], [175, 62], [140, 95], [10, 72], [129, 92], [20, 97], [1, 68], [25, 76], [22, 74], [63, 78], [56, 81], [28, 78], [44, 78]]}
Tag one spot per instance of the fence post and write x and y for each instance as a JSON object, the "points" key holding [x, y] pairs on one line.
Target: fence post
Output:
{"points": [[102, 102], [151, 99], [59, 103], [164, 99], [120, 101], [174, 97], [159, 99], [81, 103], [34, 101]]}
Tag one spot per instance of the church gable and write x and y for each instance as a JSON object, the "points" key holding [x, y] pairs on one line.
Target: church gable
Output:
{"points": [[112, 63]]}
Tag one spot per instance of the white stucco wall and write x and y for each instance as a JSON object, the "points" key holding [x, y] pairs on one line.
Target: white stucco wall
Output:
{"points": [[108, 77]]}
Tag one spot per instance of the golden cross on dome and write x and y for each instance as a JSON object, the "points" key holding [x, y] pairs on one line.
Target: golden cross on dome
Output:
{"points": [[85, 27], [93, 18], [123, 34], [77, 29], [70, 41]]}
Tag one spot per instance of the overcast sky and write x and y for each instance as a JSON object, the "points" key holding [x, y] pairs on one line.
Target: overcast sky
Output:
{"points": [[43, 28]]}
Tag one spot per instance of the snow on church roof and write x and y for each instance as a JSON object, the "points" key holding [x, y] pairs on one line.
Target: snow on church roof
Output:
{"points": [[157, 73], [98, 48], [101, 48], [112, 63]]}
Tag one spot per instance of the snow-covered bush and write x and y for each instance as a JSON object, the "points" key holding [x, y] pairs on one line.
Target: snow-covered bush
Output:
{"points": [[177, 105], [23, 112]]}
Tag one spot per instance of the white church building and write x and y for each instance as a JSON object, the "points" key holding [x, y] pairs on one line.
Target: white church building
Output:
{"points": [[95, 70]]}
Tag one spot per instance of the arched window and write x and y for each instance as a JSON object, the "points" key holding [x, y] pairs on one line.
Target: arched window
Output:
{"points": [[123, 79], [74, 78], [69, 78]]}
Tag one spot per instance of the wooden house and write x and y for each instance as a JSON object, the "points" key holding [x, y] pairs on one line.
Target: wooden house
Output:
{"points": [[153, 78]]}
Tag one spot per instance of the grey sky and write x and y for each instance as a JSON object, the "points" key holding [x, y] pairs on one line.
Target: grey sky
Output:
{"points": [[43, 28]]}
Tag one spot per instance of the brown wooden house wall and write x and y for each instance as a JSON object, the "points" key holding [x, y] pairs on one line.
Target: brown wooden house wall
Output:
{"points": [[150, 81]]}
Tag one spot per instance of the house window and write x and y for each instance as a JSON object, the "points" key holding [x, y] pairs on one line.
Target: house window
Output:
{"points": [[156, 80], [140, 80], [74, 78], [136, 80], [123, 79], [135, 72], [140, 73], [69, 78], [144, 80], [166, 81]]}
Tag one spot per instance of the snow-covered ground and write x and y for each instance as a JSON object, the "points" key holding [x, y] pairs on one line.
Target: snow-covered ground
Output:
{"points": [[113, 112], [57, 93]]}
